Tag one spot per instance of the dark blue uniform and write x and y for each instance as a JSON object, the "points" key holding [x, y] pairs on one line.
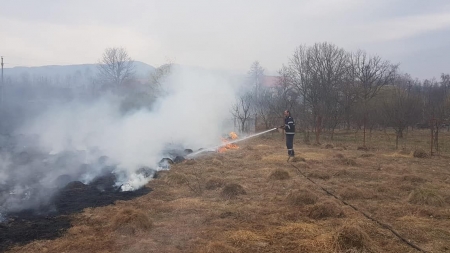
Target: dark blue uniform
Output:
{"points": [[289, 128]]}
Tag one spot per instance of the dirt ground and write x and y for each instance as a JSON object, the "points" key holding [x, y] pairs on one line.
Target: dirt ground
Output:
{"points": [[332, 197]]}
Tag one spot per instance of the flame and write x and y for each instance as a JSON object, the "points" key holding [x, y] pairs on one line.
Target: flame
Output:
{"points": [[226, 146]]}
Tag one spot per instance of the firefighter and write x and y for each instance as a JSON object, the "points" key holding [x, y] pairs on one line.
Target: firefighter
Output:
{"points": [[289, 128]]}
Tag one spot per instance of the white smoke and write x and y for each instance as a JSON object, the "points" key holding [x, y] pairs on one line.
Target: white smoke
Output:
{"points": [[5, 162], [191, 114]]}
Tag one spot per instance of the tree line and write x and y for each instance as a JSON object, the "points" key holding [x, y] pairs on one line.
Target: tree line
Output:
{"points": [[329, 88]]}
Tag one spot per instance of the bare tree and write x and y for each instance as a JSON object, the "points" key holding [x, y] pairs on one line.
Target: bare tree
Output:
{"points": [[116, 67], [260, 94], [262, 106], [434, 97], [348, 98], [318, 72], [401, 105], [284, 96], [370, 75], [445, 83], [256, 76], [241, 111], [158, 77]]}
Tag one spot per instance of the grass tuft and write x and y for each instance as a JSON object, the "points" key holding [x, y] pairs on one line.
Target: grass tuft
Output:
{"points": [[233, 190], [219, 247], [214, 183], [301, 197], [327, 209], [420, 153], [319, 174], [351, 238], [176, 178], [242, 238], [279, 174], [424, 196], [130, 220], [351, 192], [296, 159]]}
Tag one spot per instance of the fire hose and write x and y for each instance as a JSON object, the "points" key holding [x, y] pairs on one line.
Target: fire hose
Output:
{"points": [[230, 142]]}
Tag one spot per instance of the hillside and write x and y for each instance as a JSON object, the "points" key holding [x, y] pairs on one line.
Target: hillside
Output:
{"points": [[143, 70]]}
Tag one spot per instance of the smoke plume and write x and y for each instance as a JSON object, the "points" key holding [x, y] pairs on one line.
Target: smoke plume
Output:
{"points": [[76, 141]]}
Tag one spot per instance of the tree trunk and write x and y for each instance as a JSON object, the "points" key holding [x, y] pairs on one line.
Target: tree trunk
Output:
{"points": [[364, 131], [318, 129], [396, 140], [306, 137], [347, 120], [400, 133], [436, 138]]}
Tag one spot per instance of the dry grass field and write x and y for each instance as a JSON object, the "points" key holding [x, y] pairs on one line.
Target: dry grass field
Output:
{"points": [[330, 198]]}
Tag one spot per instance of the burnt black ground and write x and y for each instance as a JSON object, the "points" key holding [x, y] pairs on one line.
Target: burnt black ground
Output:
{"points": [[22, 231], [46, 207], [52, 220]]}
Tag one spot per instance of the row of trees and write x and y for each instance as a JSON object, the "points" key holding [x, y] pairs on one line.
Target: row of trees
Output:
{"points": [[326, 88]]}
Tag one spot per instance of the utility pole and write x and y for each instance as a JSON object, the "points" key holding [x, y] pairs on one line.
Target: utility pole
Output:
{"points": [[1, 88]]}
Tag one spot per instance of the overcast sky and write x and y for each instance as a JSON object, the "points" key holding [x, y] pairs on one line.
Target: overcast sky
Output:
{"points": [[229, 35]]}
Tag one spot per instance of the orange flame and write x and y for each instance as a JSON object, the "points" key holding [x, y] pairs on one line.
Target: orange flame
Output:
{"points": [[232, 136]]}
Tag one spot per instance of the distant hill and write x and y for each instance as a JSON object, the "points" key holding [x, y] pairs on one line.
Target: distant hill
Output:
{"points": [[143, 70]]}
